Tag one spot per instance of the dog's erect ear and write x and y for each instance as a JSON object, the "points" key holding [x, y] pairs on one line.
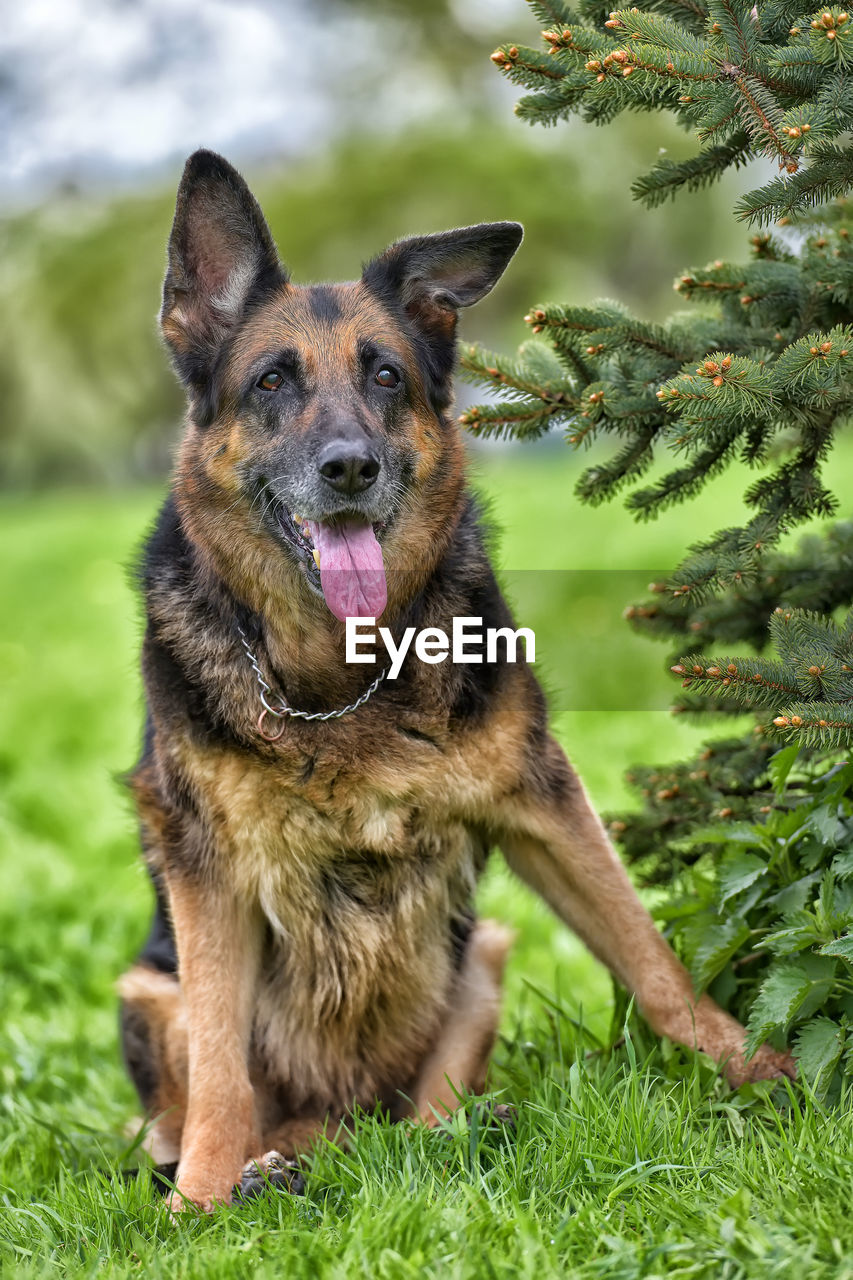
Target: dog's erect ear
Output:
{"points": [[431, 277], [221, 255]]}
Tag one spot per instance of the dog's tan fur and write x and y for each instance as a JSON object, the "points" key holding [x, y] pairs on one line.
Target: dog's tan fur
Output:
{"points": [[313, 883]]}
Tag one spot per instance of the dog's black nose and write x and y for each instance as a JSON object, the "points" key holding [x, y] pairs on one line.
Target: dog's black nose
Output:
{"points": [[348, 466]]}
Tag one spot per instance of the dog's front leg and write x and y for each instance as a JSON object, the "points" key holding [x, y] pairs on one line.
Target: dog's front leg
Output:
{"points": [[553, 839], [218, 947]]}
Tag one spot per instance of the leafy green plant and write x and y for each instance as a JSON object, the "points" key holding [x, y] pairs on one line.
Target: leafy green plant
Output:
{"points": [[764, 918]]}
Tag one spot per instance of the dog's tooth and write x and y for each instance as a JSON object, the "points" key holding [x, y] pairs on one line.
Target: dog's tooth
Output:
{"points": [[316, 554], [297, 519]]}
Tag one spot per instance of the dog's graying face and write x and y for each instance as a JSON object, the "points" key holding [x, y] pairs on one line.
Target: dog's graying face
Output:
{"points": [[320, 409]]}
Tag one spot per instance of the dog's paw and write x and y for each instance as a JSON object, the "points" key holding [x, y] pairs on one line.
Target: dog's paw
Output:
{"points": [[270, 1171], [765, 1064], [190, 1199]]}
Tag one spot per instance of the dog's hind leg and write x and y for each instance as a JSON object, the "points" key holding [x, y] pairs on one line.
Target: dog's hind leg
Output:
{"points": [[460, 1058], [154, 1045]]}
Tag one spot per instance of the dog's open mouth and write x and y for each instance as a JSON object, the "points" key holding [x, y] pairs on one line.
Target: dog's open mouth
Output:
{"points": [[348, 560]]}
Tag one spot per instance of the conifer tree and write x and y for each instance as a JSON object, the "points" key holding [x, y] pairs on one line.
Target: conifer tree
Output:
{"points": [[755, 837]]}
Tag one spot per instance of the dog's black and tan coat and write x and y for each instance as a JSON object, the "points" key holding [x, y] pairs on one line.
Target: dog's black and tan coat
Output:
{"points": [[314, 946]]}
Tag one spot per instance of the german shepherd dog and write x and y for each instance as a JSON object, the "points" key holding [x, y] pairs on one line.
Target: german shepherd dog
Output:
{"points": [[314, 947]]}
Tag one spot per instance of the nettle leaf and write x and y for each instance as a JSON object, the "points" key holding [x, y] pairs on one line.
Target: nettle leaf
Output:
{"points": [[716, 945], [842, 865], [843, 905], [738, 872], [799, 930], [821, 971], [793, 897], [839, 947], [780, 766], [826, 825], [782, 824], [818, 1048], [780, 996], [811, 852]]}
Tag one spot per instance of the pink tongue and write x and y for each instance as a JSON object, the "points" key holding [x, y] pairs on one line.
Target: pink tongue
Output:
{"points": [[351, 571]]}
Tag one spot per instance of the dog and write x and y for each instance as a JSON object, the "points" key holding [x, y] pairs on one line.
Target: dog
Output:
{"points": [[315, 837]]}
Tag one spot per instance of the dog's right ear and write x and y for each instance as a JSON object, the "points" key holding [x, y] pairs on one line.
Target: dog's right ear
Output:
{"points": [[221, 255]]}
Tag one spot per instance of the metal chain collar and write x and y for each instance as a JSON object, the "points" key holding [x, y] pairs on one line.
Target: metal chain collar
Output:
{"points": [[284, 709]]}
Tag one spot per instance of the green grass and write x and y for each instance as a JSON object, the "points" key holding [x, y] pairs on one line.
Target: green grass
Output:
{"points": [[639, 1164]]}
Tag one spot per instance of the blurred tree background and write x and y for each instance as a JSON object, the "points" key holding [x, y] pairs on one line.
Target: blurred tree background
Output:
{"points": [[404, 130]]}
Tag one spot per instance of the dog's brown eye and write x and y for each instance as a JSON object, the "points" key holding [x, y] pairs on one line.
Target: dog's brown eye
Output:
{"points": [[387, 377], [270, 381]]}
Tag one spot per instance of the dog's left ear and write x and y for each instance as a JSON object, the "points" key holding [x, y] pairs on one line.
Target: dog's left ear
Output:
{"points": [[221, 255], [431, 277]]}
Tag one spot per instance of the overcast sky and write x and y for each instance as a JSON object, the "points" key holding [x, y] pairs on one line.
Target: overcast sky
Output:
{"points": [[110, 89]]}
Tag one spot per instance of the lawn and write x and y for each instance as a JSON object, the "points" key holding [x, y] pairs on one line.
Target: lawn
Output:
{"points": [[640, 1163]]}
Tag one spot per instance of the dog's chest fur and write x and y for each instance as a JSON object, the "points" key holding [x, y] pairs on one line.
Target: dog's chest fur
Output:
{"points": [[361, 880]]}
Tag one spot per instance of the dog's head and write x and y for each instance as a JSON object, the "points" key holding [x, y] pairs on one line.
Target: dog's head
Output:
{"points": [[318, 447]]}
